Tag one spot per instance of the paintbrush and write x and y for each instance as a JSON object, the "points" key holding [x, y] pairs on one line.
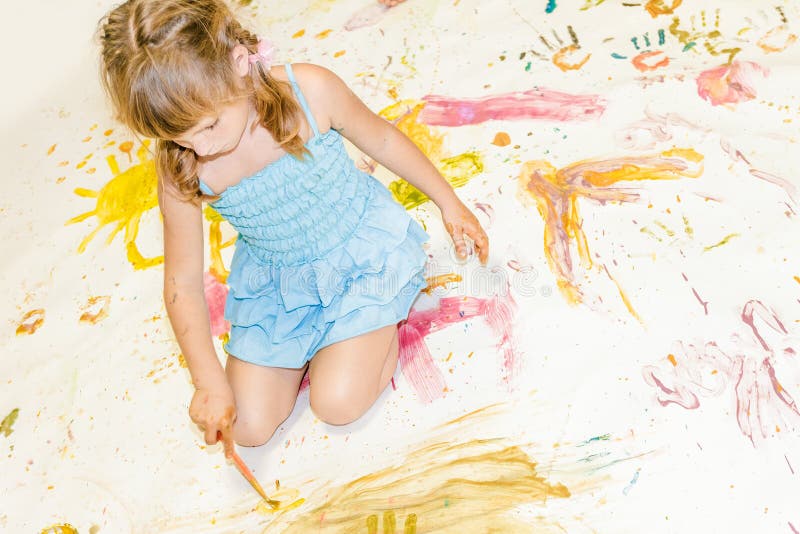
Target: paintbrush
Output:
{"points": [[248, 475]]}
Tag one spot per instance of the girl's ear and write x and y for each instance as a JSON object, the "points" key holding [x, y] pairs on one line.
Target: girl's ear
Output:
{"points": [[241, 60]]}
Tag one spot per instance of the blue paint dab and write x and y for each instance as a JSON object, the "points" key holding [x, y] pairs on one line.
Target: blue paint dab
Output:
{"points": [[617, 56], [689, 46], [551, 6]]}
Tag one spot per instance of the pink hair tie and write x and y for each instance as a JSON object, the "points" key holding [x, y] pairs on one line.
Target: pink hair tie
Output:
{"points": [[265, 54]]}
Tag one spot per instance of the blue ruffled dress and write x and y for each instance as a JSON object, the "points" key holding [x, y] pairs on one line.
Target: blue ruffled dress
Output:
{"points": [[324, 253]]}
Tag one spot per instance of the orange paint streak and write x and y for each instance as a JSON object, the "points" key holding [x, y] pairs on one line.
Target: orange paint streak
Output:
{"points": [[563, 59], [31, 322], [797, 279], [298, 34], [51, 149], [671, 358], [777, 39], [323, 34], [340, 53], [108, 132], [441, 281], [643, 62], [127, 147], [96, 315], [658, 7]]}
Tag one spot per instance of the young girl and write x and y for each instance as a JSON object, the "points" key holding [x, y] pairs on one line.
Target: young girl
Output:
{"points": [[326, 263]]}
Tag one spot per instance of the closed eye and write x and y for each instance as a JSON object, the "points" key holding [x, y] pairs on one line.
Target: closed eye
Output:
{"points": [[212, 125]]}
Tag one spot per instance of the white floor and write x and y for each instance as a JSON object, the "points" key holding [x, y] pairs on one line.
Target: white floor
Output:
{"points": [[646, 379]]}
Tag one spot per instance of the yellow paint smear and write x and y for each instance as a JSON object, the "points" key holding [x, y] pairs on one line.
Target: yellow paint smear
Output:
{"points": [[446, 487], [7, 425], [457, 170], [122, 202], [64, 528], [99, 310], [724, 241]]}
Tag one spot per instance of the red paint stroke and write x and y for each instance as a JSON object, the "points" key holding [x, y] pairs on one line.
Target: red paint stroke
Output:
{"points": [[216, 293], [542, 104], [416, 361], [730, 83], [703, 303], [762, 404]]}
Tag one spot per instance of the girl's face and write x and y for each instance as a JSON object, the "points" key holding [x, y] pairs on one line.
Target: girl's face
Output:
{"points": [[218, 133]]}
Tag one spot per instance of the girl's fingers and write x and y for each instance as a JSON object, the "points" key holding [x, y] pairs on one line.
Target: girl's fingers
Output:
{"points": [[211, 434], [227, 437], [457, 233]]}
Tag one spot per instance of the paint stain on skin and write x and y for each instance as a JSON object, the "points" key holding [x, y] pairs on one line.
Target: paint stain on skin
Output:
{"points": [[122, 202], [441, 281], [64, 528], [416, 360], [731, 83], [457, 170], [95, 309], [541, 104], [7, 425], [447, 487], [30, 322], [556, 193], [501, 139], [747, 371], [216, 293]]}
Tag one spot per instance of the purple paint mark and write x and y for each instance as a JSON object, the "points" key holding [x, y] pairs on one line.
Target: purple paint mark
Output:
{"points": [[368, 16], [791, 526], [540, 104], [783, 183], [762, 405], [703, 303], [787, 463]]}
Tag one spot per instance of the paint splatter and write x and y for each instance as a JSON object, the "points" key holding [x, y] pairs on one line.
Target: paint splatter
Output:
{"points": [[762, 402], [478, 483], [7, 425], [731, 83], [541, 104], [659, 7], [95, 309], [30, 322], [415, 359], [632, 483], [556, 193], [551, 6], [123, 201], [723, 241], [501, 139], [706, 33]]}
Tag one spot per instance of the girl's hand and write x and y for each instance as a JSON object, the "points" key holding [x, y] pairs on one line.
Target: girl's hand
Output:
{"points": [[214, 411], [458, 220]]}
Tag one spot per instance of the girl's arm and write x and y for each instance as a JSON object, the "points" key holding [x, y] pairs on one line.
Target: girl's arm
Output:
{"points": [[212, 406], [330, 97]]}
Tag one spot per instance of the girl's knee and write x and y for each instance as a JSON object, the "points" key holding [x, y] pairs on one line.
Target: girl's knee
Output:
{"points": [[337, 406], [252, 433]]}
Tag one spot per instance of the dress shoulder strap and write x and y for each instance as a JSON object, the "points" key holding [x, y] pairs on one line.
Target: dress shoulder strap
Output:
{"points": [[299, 94]]}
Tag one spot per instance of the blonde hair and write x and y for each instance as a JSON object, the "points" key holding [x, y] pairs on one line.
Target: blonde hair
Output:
{"points": [[167, 64]]}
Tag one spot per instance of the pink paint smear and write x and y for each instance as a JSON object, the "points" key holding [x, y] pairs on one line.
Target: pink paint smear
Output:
{"points": [[730, 84], [216, 293], [539, 104], [763, 407], [416, 361]]}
